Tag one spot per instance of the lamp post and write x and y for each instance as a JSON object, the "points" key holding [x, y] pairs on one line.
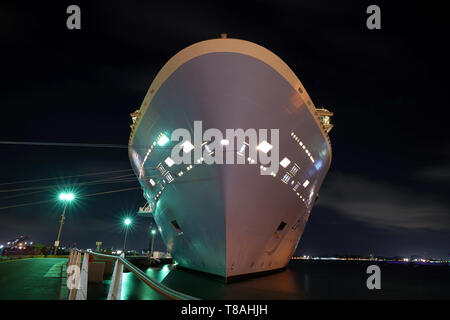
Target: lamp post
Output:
{"points": [[127, 222], [66, 198], [153, 239]]}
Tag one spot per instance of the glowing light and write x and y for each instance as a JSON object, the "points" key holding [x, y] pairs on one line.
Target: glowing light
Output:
{"points": [[127, 221], [264, 146], [224, 142], [285, 162], [286, 178], [169, 161], [152, 182], [163, 140], [66, 196], [187, 146], [306, 183], [169, 177]]}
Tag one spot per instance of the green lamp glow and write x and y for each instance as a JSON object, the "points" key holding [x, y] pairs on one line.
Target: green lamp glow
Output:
{"points": [[162, 141]]}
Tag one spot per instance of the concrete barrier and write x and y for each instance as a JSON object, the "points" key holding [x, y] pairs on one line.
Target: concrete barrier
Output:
{"points": [[83, 283], [109, 266], [96, 271], [115, 288]]}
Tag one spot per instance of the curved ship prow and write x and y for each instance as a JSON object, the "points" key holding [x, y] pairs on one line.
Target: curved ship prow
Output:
{"points": [[234, 219]]}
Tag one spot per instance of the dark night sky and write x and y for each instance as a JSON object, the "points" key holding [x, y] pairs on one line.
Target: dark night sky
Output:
{"points": [[387, 189]]}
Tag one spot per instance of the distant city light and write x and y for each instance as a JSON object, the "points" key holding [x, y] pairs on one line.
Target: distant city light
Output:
{"points": [[153, 231]]}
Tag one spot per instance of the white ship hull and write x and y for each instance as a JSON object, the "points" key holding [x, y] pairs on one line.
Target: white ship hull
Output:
{"points": [[226, 219]]}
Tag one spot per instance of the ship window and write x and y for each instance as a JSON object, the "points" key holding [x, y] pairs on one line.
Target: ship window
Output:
{"points": [[176, 226], [162, 140], [169, 161], [281, 226], [286, 178], [242, 150], [296, 186], [161, 168], [264, 146], [305, 184], [152, 182], [294, 169], [285, 162], [169, 177], [187, 146]]}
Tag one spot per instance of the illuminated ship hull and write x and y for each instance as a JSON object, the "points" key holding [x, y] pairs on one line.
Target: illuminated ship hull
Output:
{"points": [[229, 220]]}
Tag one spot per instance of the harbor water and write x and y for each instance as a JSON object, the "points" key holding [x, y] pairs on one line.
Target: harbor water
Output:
{"points": [[302, 279]]}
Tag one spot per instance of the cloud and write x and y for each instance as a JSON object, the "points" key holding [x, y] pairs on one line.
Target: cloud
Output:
{"points": [[434, 174], [383, 204]]}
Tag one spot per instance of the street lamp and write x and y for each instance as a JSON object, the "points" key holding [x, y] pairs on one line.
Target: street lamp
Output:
{"points": [[66, 198], [153, 239], [127, 222]]}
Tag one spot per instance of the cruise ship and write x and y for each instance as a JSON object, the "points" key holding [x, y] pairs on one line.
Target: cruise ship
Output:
{"points": [[230, 220]]}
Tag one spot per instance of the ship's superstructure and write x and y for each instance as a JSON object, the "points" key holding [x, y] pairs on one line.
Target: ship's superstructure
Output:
{"points": [[230, 219]]}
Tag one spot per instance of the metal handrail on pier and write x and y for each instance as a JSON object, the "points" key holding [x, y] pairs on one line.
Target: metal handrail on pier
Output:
{"points": [[116, 281]]}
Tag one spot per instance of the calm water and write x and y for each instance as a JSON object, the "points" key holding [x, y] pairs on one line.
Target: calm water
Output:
{"points": [[303, 280]]}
